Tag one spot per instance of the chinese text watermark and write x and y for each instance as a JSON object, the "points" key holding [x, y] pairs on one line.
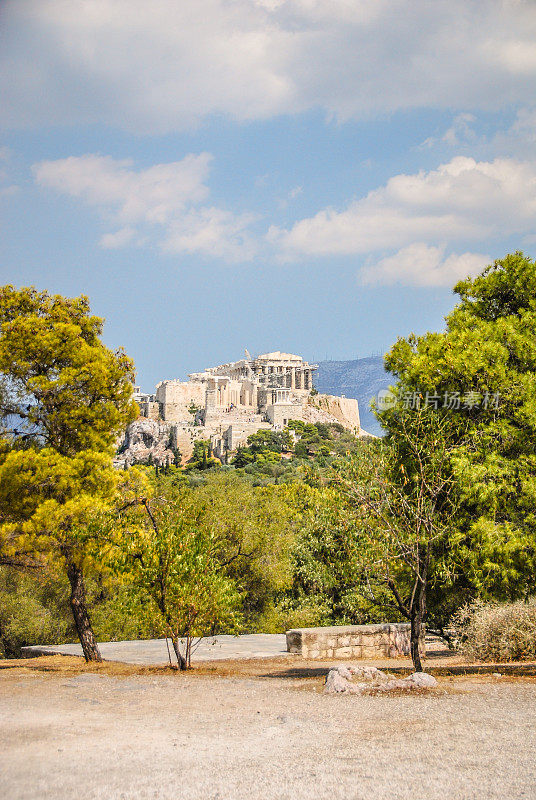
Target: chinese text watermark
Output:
{"points": [[451, 401]]}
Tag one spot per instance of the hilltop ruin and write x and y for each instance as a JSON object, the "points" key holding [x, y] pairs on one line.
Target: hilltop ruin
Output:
{"points": [[226, 404]]}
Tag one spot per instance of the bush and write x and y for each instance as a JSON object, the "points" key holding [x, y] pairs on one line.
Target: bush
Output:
{"points": [[285, 615], [33, 610], [496, 631]]}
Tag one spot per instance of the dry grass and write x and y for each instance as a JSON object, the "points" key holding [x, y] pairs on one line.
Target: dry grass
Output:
{"points": [[497, 631], [277, 667], [76, 665], [294, 669]]}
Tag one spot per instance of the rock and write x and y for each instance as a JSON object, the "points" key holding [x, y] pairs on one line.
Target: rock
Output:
{"points": [[422, 680], [146, 438], [368, 674], [371, 679], [339, 681], [344, 671]]}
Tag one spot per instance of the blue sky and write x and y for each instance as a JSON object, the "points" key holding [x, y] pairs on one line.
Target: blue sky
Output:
{"points": [[305, 175]]}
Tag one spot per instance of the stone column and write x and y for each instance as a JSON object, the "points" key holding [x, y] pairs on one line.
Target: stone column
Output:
{"points": [[293, 377]]}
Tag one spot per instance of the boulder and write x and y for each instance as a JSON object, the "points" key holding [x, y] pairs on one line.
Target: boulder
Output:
{"points": [[339, 680], [422, 680], [368, 674]]}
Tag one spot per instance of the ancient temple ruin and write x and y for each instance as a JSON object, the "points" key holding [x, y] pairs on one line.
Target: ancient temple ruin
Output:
{"points": [[229, 402]]}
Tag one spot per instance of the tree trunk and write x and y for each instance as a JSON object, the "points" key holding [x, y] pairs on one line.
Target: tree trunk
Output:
{"points": [[89, 644], [181, 661], [416, 625]]}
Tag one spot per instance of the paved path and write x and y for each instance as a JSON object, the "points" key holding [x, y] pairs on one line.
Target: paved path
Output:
{"points": [[154, 651]]}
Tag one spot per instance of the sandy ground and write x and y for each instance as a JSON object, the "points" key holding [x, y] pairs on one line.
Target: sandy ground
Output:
{"points": [[254, 731]]}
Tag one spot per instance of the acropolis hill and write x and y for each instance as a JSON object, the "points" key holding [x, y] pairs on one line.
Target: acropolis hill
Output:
{"points": [[228, 403]]}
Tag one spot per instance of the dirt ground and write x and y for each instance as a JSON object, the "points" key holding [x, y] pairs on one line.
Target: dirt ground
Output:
{"points": [[241, 730]]}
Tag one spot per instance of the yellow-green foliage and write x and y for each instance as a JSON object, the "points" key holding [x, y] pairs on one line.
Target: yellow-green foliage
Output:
{"points": [[213, 558], [173, 565], [33, 610], [65, 386], [65, 397]]}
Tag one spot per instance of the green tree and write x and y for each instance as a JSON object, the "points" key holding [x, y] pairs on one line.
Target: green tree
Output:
{"points": [[207, 557], [242, 457], [177, 457], [323, 560], [66, 397], [404, 505], [257, 526], [484, 367], [174, 561], [33, 609], [264, 446], [202, 457]]}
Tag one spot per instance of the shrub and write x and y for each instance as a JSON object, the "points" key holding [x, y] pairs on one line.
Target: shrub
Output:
{"points": [[285, 615], [33, 610], [496, 631]]}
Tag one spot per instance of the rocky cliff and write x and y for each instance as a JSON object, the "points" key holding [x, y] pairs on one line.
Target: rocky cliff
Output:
{"points": [[146, 438], [327, 408]]}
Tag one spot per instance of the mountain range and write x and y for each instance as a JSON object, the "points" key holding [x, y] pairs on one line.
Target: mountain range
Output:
{"points": [[361, 379]]}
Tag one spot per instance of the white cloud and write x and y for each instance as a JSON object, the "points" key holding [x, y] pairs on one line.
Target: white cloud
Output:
{"points": [[164, 65], [121, 238], [525, 124], [459, 133], [284, 202], [214, 232], [509, 138], [152, 195], [422, 265], [403, 227], [461, 200], [161, 204], [519, 138]]}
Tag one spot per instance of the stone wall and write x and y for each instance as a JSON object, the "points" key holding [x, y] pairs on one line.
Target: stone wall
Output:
{"points": [[149, 409], [280, 414], [175, 398], [386, 640]]}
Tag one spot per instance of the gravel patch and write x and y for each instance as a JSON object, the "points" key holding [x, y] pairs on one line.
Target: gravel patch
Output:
{"points": [[221, 738]]}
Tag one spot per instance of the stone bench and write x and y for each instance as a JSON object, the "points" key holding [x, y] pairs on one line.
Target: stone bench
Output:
{"points": [[386, 640]]}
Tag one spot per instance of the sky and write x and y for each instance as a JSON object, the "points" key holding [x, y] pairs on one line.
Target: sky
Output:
{"points": [[311, 176]]}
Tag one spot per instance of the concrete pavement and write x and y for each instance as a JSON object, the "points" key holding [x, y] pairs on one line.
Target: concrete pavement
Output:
{"points": [[151, 652]]}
